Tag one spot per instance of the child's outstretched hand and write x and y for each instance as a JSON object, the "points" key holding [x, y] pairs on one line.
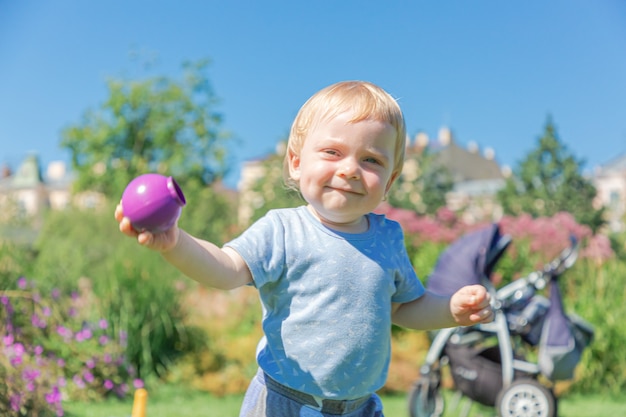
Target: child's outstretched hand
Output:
{"points": [[471, 305], [161, 242]]}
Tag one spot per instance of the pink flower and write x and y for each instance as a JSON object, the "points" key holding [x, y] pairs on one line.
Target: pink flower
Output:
{"points": [[53, 397], [64, 332], [88, 377], [16, 402], [22, 283], [8, 340]]}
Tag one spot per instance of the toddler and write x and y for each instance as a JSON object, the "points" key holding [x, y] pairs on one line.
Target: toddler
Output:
{"points": [[332, 276]]}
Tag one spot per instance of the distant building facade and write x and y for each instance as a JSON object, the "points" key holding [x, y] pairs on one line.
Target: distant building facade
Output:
{"points": [[29, 191], [610, 182], [476, 175]]}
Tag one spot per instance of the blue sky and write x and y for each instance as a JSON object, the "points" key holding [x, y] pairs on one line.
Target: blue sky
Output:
{"points": [[490, 70]]}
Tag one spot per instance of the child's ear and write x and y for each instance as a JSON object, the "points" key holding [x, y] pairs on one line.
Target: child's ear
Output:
{"points": [[294, 165], [393, 178]]}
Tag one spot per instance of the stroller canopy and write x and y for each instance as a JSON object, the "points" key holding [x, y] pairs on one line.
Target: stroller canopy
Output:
{"points": [[468, 260]]}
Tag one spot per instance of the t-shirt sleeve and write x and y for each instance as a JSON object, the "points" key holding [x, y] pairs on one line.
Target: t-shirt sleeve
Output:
{"points": [[262, 246], [408, 285]]}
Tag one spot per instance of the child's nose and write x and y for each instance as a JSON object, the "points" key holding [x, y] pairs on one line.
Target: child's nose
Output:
{"points": [[349, 169]]}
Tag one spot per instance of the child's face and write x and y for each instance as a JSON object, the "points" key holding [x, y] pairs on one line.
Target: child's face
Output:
{"points": [[345, 169]]}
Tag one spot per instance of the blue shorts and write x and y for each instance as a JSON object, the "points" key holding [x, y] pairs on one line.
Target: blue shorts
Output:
{"points": [[267, 398]]}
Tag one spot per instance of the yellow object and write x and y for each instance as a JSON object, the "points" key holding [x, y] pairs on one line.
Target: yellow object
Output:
{"points": [[139, 403]]}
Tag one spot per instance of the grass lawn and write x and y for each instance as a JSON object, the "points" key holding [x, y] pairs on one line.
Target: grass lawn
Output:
{"points": [[172, 401]]}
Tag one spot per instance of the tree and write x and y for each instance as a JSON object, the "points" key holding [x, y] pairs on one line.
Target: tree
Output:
{"points": [[423, 184], [269, 191], [548, 181], [158, 125], [154, 125]]}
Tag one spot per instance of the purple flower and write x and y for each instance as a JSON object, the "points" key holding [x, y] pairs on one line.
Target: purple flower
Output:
{"points": [[30, 374], [103, 324], [88, 377], [78, 381], [64, 332], [83, 335], [103, 340], [8, 340], [108, 384], [90, 364], [53, 397], [17, 351], [46, 311], [56, 293], [38, 350], [22, 283], [138, 383], [38, 322], [7, 303], [107, 358], [16, 402]]}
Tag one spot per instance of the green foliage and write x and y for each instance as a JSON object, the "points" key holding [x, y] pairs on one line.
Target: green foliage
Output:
{"points": [[597, 292], [423, 184], [137, 288], [269, 191], [180, 401], [155, 125], [209, 213], [424, 256], [74, 243], [15, 260], [143, 301], [548, 181], [54, 346]]}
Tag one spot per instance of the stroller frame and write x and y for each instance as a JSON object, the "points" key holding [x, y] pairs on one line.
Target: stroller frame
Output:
{"points": [[513, 380]]}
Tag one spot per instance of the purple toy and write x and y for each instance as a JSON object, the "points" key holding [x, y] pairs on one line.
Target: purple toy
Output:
{"points": [[152, 202]]}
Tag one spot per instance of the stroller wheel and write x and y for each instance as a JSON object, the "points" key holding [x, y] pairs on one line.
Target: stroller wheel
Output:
{"points": [[425, 400], [526, 398]]}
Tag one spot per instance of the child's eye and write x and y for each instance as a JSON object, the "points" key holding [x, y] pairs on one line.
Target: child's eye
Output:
{"points": [[372, 160]]}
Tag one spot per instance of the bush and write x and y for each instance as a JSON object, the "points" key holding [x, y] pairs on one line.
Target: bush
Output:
{"points": [[593, 288], [55, 347], [138, 291]]}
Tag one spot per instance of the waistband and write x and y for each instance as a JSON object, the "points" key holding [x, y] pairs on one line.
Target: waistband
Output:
{"points": [[336, 407]]}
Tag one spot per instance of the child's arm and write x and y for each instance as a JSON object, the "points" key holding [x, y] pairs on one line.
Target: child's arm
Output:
{"points": [[198, 259], [468, 306]]}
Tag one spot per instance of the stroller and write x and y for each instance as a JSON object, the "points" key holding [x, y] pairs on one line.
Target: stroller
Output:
{"points": [[489, 362]]}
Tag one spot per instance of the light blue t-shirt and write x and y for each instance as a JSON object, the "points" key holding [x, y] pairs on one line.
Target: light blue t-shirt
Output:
{"points": [[326, 299]]}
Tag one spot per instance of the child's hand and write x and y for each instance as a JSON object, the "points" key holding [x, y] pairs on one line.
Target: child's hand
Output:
{"points": [[161, 242], [471, 305]]}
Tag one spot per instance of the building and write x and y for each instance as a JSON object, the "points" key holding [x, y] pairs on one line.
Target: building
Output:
{"points": [[28, 192], [476, 176], [610, 182]]}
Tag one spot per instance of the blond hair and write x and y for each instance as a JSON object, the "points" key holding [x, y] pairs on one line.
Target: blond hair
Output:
{"points": [[366, 101]]}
